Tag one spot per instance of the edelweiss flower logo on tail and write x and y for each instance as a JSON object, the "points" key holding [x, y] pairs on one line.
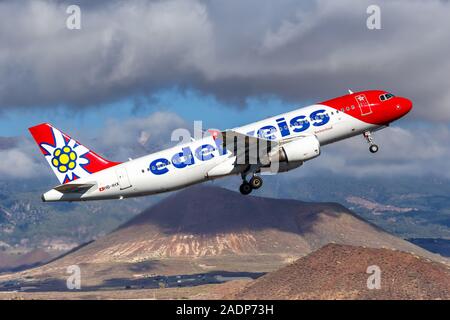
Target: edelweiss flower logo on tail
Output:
{"points": [[66, 157]]}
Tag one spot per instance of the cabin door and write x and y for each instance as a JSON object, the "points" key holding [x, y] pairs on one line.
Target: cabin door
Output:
{"points": [[122, 177], [364, 104]]}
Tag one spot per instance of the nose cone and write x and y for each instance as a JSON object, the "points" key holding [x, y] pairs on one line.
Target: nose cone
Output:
{"points": [[404, 105]]}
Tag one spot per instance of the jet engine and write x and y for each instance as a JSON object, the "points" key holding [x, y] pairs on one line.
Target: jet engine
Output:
{"points": [[292, 154], [301, 149]]}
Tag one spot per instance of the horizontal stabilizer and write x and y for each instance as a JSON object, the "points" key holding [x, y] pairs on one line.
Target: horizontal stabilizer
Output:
{"points": [[74, 188]]}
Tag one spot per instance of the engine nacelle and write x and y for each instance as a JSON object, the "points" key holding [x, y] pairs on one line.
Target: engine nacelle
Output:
{"points": [[292, 154], [302, 149]]}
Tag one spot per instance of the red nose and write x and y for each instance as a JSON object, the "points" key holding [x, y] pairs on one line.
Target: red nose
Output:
{"points": [[404, 105]]}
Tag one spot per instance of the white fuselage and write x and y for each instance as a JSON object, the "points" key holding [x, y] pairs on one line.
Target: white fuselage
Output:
{"points": [[161, 172]]}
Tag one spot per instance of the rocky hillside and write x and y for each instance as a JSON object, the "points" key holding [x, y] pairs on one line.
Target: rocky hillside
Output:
{"points": [[28, 222], [340, 272], [11, 262], [207, 221], [4, 216], [202, 230]]}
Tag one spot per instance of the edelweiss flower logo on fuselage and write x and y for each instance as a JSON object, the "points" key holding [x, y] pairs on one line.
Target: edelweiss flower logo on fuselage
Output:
{"points": [[66, 157]]}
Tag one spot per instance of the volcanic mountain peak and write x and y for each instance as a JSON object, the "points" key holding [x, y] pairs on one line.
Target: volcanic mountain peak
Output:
{"points": [[211, 210], [208, 221]]}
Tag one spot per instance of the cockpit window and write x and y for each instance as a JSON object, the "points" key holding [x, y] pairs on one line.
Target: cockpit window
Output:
{"points": [[386, 96]]}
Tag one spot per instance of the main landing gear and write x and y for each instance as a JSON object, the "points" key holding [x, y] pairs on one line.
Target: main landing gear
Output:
{"points": [[255, 182], [373, 148]]}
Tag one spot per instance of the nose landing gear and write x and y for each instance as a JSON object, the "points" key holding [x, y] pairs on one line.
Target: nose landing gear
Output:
{"points": [[373, 148], [255, 182]]}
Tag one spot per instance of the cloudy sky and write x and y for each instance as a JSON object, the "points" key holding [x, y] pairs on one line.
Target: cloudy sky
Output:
{"points": [[151, 66]]}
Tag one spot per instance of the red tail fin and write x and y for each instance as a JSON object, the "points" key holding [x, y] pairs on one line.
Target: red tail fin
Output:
{"points": [[68, 158]]}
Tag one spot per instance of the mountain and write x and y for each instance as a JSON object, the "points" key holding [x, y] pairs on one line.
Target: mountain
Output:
{"points": [[404, 206], [201, 233], [340, 272], [441, 246], [4, 216], [15, 262], [407, 206], [27, 222], [210, 222]]}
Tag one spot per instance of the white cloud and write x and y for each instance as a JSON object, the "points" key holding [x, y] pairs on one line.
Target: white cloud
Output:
{"points": [[233, 49], [413, 152], [118, 140], [137, 136], [122, 47], [20, 161], [418, 150]]}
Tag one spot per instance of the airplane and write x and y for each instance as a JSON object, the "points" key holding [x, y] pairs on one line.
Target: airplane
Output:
{"points": [[282, 143]]}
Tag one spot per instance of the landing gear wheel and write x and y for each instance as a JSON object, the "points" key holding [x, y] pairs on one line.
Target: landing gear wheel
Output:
{"points": [[368, 136], [256, 182], [245, 188], [373, 148]]}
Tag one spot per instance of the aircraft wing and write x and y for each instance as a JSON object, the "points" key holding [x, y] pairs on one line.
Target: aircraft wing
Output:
{"points": [[248, 149], [74, 188]]}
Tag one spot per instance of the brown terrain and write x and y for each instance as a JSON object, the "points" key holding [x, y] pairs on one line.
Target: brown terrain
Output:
{"points": [[209, 222], [203, 231], [340, 272], [376, 208], [18, 261]]}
